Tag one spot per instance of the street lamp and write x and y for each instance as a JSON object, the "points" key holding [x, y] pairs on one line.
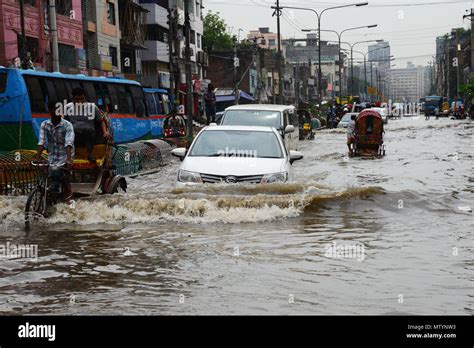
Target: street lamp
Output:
{"points": [[319, 15], [339, 35], [352, 60]]}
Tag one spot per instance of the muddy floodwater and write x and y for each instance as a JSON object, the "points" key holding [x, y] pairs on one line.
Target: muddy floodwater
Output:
{"points": [[349, 236]]}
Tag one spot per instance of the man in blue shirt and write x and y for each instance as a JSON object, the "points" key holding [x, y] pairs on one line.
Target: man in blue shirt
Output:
{"points": [[59, 136]]}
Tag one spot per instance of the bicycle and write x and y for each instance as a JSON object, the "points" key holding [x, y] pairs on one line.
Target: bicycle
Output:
{"points": [[44, 195]]}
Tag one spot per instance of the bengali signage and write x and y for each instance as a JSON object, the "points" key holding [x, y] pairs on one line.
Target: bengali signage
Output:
{"points": [[81, 58], [105, 62]]}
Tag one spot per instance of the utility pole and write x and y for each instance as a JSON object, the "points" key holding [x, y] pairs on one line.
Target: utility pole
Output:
{"points": [[236, 80], [279, 60], [54, 34], [172, 34], [23, 34], [189, 77], [365, 76], [297, 84], [458, 49]]}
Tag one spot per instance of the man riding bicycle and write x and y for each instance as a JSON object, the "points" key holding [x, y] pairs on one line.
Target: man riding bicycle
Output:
{"points": [[59, 135]]}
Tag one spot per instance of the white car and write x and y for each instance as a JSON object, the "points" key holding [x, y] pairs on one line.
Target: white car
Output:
{"points": [[283, 117], [235, 154], [345, 119], [383, 113]]}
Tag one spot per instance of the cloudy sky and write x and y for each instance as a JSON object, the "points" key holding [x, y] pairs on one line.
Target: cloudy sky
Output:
{"points": [[410, 27]]}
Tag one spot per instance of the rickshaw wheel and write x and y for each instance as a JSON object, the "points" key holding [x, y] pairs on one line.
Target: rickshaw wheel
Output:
{"points": [[118, 184]]}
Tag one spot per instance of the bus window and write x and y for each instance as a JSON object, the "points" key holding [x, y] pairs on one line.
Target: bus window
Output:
{"points": [[100, 97], [35, 92], [151, 103], [125, 100], [114, 103], [166, 103], [138, 101], [61, 91], [67, 83], [106, 95], [51, 91], [3, 82], [90, 92], [75, 84]]}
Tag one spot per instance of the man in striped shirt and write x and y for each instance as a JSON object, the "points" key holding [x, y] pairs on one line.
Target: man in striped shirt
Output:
{"points": [[58, 134]]}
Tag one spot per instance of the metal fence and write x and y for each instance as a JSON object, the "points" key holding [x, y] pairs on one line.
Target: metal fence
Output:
{"points": [[17, 176]]}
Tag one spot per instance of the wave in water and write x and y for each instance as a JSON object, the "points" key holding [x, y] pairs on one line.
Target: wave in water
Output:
{"points": [[199, 204]]}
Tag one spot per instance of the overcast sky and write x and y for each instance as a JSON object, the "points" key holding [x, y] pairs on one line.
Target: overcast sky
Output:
{"points": [[411, 27]]}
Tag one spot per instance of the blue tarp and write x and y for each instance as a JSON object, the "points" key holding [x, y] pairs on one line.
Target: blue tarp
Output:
{"points": [[231, 97]]}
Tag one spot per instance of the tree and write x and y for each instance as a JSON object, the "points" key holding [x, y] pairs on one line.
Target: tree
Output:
{"points": [[215, 34]]}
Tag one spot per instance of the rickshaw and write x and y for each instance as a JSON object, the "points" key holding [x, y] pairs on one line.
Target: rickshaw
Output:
{"points": [[368, 135], [306, 129], [86, 178]]}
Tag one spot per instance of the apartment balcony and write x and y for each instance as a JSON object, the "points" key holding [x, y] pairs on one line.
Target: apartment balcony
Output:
{"points": [[156, 50], [157, 14]]}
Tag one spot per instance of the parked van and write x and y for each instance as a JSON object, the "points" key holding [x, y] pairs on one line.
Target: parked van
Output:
{"points": [[282, 117]]}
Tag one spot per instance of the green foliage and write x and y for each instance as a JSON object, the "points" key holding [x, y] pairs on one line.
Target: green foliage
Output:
{"points": [[467, 90], [215, 34]]}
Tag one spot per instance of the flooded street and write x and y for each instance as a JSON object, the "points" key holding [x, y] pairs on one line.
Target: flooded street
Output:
{"points": [[266, 250]]}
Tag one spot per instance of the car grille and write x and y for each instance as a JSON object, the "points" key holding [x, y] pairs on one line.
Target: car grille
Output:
{"points": [[249, 179]]}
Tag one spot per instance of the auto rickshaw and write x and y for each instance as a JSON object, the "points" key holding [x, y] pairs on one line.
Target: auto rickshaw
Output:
{"points": [[368, 135]]}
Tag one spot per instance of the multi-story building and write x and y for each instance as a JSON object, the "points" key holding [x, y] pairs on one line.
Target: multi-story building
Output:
{"points": [[102, 36], [156, 58], [296, 53], [132, 20], [265, 38], [409, 84], [379, 53], [38, 38]]}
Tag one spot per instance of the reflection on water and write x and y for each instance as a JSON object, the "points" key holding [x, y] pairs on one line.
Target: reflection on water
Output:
{"points": [[248, 249]]}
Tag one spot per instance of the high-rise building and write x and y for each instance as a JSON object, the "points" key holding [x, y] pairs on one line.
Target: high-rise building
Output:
{"points": [[409, 84], [379, 53]]}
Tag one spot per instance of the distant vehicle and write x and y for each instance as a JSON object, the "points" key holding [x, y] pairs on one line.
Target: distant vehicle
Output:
{"points": [[345, 119], [282, 117], [221, 154], [433, 105], [383, 114]]}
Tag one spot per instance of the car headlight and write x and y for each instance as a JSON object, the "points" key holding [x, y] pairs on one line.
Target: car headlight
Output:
{"points": [[189, 177], [276, 177]]}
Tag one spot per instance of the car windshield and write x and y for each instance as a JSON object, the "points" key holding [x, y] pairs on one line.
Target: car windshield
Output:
{"points": [[252, 118], [237, 143]]}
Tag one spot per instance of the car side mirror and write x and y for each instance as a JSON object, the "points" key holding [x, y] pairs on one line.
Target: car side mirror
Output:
{"points": [[295, 156], [180, 152], [289, 129]]}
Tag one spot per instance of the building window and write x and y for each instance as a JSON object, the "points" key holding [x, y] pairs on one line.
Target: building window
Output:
{"points": [[113, 54], [64, 7], [31, 47], [198, 40], [30, 2], [271, 42], [67, 57], [110, 13], [155, 32], [192, 38], [198, 10]]}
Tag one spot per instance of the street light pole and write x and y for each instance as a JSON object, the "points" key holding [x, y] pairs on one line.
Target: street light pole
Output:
{"points": [[319, 32], [339, 36]]}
